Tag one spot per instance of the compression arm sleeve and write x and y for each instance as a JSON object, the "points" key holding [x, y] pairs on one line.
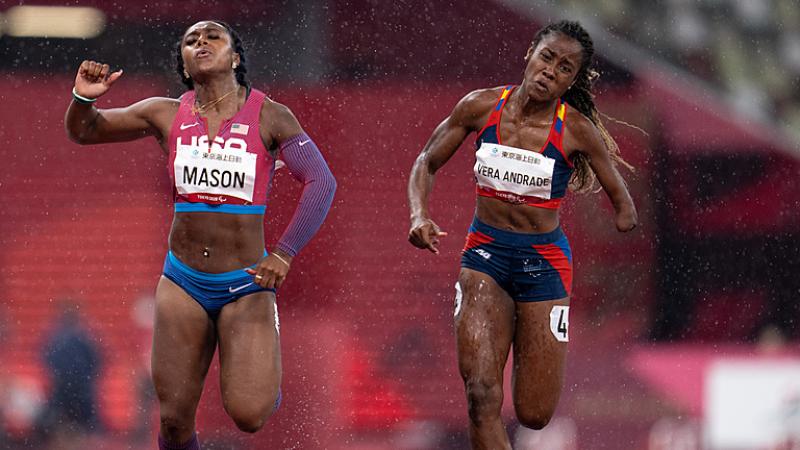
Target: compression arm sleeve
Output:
{"points": [[305, 162]]}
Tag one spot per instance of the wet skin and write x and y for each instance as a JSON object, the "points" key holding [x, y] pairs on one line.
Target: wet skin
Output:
{"points": [[185, 337], [488, 322]]}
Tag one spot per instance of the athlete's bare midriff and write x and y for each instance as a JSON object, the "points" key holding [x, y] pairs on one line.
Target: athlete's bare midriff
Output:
{"points": [[518, 218], [214, 243]]}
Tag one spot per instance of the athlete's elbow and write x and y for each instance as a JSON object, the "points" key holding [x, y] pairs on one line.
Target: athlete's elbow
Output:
{"points": [[320, 190], [327, 190], [422, 163], [77, 136], [425, 166], [331, 185], [326, 184], [82, 140]]}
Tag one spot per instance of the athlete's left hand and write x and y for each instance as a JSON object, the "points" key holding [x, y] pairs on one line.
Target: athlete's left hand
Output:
{"points": [[271, 270], [626, 219]]}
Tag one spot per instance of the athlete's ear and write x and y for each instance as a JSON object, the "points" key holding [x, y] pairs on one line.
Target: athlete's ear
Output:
{"points": [[529, 53]]}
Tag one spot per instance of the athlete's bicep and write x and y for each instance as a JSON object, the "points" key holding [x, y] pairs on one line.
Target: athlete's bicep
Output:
{"points": [[144, 118], [443, 143], [448, 136], [150, 117], [592, 145]]}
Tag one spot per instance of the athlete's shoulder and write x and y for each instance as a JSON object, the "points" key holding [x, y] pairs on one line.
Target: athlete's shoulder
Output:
{"points": [[580, 130], [483, 98], [158, 103], [271, 105], [156, 109], [272, 110], [278, 122], [159, 111], [578, 122], [477, 104]]}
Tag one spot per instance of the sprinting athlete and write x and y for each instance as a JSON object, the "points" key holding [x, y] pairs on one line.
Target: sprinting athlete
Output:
{"points": [[219, 282], [533, 142]]}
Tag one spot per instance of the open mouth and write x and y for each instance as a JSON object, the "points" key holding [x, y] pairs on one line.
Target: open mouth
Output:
{"points": [[202, 53]]}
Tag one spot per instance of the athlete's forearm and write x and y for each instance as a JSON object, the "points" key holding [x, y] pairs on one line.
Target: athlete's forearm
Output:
{"points": [[80, 121], [622, 201], [625, 215], [441, 146], [615, 189], [420, 185], [304, 160]]}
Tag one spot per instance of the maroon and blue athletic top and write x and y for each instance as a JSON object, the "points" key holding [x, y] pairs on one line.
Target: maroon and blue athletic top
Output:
{"points": [[232, 172], [229, 173]]}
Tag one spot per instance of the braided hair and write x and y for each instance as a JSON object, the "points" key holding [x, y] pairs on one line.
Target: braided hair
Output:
{"points": [[580, 97], [241, 69]]}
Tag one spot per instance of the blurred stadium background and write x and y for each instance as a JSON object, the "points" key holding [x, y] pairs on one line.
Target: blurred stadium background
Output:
{"points": [[684, 333]]}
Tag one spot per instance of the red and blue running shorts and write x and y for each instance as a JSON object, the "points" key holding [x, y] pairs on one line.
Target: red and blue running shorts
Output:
{"points": [[530, 267]]}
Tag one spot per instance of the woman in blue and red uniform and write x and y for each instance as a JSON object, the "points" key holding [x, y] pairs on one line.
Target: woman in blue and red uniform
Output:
{"points": [[218, 286], [534, 141]]}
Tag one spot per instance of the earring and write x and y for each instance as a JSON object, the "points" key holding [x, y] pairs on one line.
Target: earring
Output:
{"points": [[186, 74], [234, 65]]}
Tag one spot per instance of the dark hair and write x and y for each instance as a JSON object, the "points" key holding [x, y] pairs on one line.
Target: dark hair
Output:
{"points": [[580, 97], [238, 47]]}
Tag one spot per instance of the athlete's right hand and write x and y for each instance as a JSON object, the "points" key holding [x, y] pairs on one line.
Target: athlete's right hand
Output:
{"points": [[425, 234], [94, 79]]}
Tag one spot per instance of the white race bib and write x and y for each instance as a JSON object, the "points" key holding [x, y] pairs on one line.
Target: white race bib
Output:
{"points": [[522, 173], [212, 173], [559, 322]]}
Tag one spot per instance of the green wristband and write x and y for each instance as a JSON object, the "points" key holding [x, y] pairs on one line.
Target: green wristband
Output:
{"points": [[81, 99]]}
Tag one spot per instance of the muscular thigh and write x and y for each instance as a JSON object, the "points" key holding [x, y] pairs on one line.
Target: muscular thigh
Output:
{"points": [[249, 349], [183, 345], [539, 353], [484, 324]]}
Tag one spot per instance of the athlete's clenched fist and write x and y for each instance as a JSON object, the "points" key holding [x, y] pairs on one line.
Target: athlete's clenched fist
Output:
{"points": [[94, 79]]}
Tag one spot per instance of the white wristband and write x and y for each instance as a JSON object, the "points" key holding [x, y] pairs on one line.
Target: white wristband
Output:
{"points": [[81, 99]]}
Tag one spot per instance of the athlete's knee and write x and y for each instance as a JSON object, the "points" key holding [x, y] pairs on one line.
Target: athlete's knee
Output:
{"points": [[533, 417], [250, 423], [251, 416], [251, 420], [484, 399], [175, 424]]}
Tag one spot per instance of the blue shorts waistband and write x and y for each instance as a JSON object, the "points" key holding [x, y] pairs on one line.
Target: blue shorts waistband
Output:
{"points": [[223, 208], [515, 239], [209, 277]]}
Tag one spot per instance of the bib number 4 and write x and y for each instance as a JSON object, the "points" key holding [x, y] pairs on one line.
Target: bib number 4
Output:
{"points": [[559, 323]]}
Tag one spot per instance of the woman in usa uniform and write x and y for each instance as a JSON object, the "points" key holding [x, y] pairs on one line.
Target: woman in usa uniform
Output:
{"points": [[218, 287], [534, 141]]}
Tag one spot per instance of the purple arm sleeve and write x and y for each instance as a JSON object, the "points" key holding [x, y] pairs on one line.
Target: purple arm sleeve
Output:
{"points": [[305, 162]]}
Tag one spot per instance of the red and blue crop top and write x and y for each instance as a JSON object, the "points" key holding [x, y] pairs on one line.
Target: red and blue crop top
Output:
{"points": [[520, 176]]}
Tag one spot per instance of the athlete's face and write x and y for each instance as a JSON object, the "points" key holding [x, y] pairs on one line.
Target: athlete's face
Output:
{"points": [[552, 66], [207, 48]]}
